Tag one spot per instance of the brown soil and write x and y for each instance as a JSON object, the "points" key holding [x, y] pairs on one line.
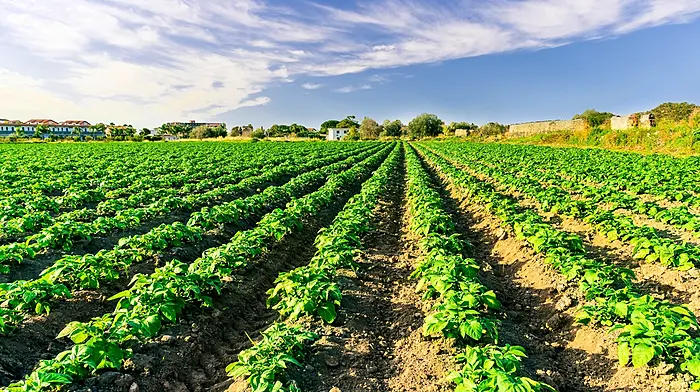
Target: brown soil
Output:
{"points": [[376, 343], [682, 287], [35, 339], [539, 308], [193, 354], [31, 268]]}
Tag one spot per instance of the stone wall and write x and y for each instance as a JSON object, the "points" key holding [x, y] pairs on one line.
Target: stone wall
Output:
{"points": [[534, 128]]}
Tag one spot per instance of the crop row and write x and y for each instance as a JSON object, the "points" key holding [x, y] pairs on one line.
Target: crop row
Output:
{"points": [[90, 271], [167, 187], [680, 216], [64, 234], [462, 305], [615, 226], [669, 178], [121, 179], [156, 299], [312, 289], [648, 329]]}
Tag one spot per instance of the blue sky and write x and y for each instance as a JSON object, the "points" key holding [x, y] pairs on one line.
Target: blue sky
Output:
{"points": [[275, 61]]}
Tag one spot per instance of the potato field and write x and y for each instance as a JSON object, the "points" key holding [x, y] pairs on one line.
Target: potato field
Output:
{"points": [[348, 266]]}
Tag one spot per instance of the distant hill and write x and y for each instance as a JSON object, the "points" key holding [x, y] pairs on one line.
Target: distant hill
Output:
{"points": [[673, 111]]}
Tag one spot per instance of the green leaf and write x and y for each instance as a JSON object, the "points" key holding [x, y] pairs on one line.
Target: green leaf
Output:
{"points": [[641, 355], [327, 312], [693, 367], [79, 337], [473, 329], [623, 353], [621, 309], [490, 300], [68, 330], [169, 313], [122, 294], [153, 324]]}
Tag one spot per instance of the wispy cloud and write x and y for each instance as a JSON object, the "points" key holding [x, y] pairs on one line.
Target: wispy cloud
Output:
{"points": [[349, 89], [161, 60], [312, 86]]}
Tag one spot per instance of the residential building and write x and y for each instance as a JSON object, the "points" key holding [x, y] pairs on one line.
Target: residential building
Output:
{"points": [[337, 133], [65, 128], [7, 127], [168, 137]]}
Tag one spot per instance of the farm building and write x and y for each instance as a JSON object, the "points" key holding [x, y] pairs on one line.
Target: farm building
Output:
{"points": [[337, 133], [645, 121], [461, 132], [168, 137]]}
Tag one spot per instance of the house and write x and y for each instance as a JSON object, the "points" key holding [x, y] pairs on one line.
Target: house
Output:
{"points": [[337, 133], [461, 132], [168, 137], [65, 128], [645, 121], [7, 127], [82, 125]]}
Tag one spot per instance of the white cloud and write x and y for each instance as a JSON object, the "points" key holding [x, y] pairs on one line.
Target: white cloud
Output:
{"points": [[349, 89], [312, 86], [147, 62]]}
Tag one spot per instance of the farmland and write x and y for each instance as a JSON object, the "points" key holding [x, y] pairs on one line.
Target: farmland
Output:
{"points": [[352, 266]]}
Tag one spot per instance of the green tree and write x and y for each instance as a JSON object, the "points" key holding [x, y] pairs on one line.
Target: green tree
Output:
{"points": [[392, 128], [593, 117], [97, 128], [236, 131], [219, 131], [492, 129], [144, 132], [19, 131], [425, 125], [353, 134], [329, 124], [297, 129], [277, 130], [348, 122], [674, 111], [200, 132], [258, 133], [370, 129], [462, 125], [129, 130], [41, 129]]}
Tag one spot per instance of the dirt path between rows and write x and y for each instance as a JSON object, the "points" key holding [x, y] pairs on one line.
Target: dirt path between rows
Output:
{"points": [[539, 309], [376, 344], [682, 287]]}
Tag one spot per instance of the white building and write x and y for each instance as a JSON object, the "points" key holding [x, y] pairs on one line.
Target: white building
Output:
{"points": [[65, 128], [337, 133]]}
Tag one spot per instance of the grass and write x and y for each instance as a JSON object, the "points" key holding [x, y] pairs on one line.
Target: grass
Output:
{"points": [[680, 140]]}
